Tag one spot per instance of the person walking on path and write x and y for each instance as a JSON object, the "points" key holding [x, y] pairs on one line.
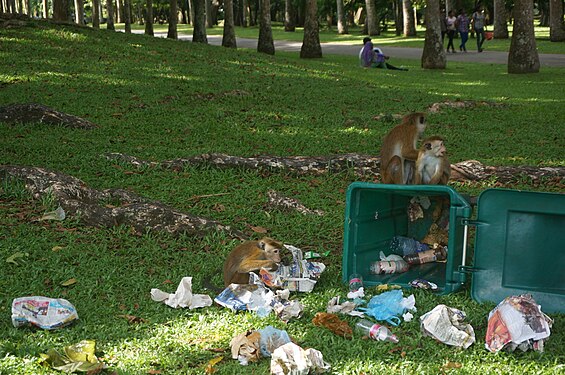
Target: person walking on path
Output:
{"points": [[478, 19], [450, 22], [462, 25]]}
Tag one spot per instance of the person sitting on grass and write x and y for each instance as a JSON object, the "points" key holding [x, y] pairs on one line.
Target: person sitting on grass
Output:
{"points": [[371, 57]]}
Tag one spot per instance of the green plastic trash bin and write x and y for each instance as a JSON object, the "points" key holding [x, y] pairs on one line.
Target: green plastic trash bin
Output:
{"points": [[519, 243]]}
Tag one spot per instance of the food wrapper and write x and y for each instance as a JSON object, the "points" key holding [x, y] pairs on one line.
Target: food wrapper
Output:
{"points": [[347, 307], [300, 276], [239, 297], [446, 324], [291, 359], [183, 296], [517, 323], [43, 312], [246, 347], [334, 324]]}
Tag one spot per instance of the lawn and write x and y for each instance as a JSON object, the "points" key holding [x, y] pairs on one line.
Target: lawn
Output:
{"points": [[160, 99]]}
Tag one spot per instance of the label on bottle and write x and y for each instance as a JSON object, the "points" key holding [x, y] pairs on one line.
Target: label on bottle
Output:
{"points": [[427, 256], [374, 332]]}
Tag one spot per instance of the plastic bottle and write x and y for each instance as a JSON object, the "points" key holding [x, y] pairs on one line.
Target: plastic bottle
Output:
{"points": [[389, 266], [427, 256], [405, 246], [355, 282], [375, 331]]}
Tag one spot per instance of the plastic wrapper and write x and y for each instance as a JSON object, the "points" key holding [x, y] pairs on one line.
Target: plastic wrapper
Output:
{"points": [[348, 307], [446, 324], [183, 296], [43, 312], [239, 297], [300, 276], [271, 339], [246, 347], [517, 323], [333, 323], [291, 359], [388, 306]]}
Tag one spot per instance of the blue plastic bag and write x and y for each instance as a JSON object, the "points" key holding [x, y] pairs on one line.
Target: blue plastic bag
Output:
{"points": [[386, 306]]}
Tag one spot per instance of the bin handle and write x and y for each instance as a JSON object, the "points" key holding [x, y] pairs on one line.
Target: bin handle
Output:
{"points": [[465, 233]]}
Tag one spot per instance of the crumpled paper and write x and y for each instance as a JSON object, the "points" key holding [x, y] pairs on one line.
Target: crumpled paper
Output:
{"points": [[43, 312], [245, 347], [359, 293], [78, 357], [291, 359], [300, 276], [183, 296], [285, 308], [517, 323], [347, 307], [334, 324], [446, 324]]}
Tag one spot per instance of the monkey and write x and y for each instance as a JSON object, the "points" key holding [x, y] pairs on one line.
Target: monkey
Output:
{"points": [[399, 152], [251, 256], [432, 165]]}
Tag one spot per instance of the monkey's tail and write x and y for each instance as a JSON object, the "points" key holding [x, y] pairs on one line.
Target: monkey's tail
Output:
{"points": [[207, 283]]}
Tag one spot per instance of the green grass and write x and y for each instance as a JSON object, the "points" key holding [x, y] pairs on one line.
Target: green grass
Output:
{"points": [[355, 36], [162, 99]]}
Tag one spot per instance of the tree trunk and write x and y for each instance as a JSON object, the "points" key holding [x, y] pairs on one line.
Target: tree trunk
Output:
{"points": [[523, 55], [191, 8], [433, 56], [500, 20], [229, 39], [371, 21], [311, 47], [60, 10], [556, 27], [199, 31], [341, 22], [95, 14], [79, 12], [408, 18], [149, 18], [265, 43], [208, 15], [110, 19], [398, 20], [289, 22], [127, 16], [245, 13], [45, 9], [173, 19]]}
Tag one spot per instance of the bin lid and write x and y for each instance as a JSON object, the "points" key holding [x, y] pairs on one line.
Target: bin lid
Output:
{"points": [[520, 247]]}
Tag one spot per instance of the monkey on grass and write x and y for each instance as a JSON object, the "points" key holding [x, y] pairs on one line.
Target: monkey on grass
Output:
{"points": [[399, 151], [251, 256]]}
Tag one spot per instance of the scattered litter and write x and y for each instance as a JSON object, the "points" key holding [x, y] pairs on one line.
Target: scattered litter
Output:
{"points": [[517, 323], [347, 307], [183, 296], [285, 308], [241, 297], [58, 214], [360, 293], [388, 306], [299, 276], [407, 316], [423, 284], [78, 357], [334, 324], [389, 264], [271, 339], [43, 312], [375, 331], [445, 324], [245, 347], [355, 282], [436, 235], [384, 287], [291, 359], [311, 254]]}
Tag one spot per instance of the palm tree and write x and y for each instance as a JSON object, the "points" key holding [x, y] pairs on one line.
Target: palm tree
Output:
{"points": [[265, 43], [229, 39], [500, 20], [149, 18], [199, 32], [523, 55], [433, 56], [371, 19], [341, 23], [173, 14], [408, 12], [556, 27], [311, 47]]}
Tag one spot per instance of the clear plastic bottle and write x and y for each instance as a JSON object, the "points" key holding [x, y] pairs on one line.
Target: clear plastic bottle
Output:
{"points": [[402, 246], [389, 266], [427, 256], [355, 282], [375, 331]]}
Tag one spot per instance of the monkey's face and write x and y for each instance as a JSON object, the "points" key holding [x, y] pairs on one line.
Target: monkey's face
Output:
{"points": [[437, 148], [273, 254]]}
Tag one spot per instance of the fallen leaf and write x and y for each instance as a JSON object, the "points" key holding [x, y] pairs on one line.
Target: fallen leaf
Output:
{"points": [[14, 257], [69, 282], [57, 248], [153, 372], [167, 281], [259, 229], [133, 319], [210, 367], [449, 365], [216, 350]]}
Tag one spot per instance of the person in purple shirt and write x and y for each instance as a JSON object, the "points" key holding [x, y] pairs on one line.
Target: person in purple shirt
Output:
{"points": [[371, 57], [462, 25]]}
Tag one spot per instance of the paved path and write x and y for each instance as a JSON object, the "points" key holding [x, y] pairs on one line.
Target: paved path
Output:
{"points": [[486, 57]]}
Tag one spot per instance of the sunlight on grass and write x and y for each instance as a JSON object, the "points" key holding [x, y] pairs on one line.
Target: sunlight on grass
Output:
{"points": [[354, 130]]}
